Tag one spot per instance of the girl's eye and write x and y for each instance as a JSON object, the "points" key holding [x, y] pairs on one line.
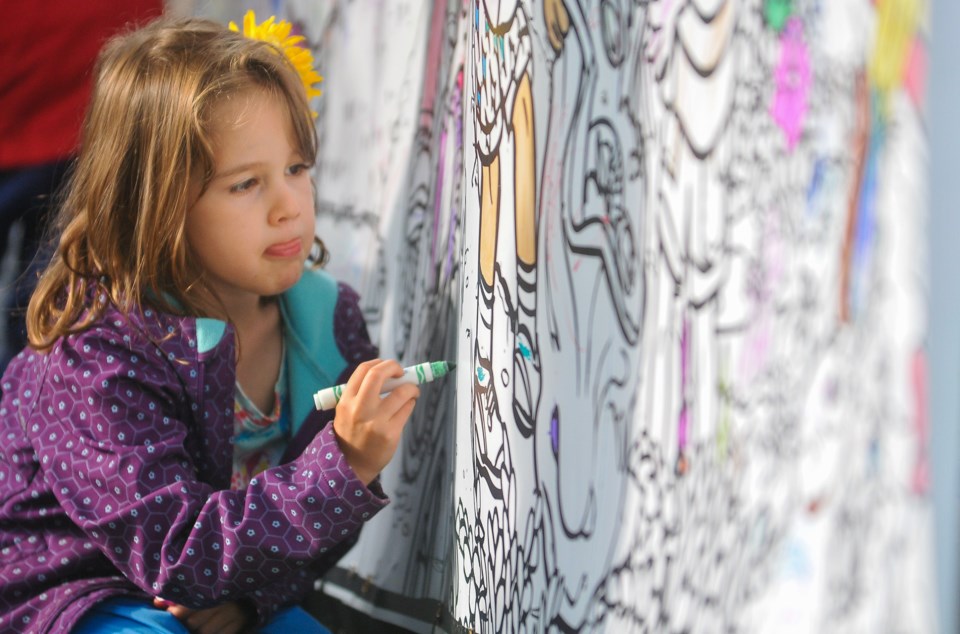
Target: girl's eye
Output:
{"points": [[243, 186], [298, 168]]}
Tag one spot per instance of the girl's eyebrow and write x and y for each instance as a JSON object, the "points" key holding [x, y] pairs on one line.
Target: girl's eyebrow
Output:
{"points": [[236, 170], [246, 166]]}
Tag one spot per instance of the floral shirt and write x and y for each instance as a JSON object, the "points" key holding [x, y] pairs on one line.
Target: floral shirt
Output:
{"points": [[259, 440]]}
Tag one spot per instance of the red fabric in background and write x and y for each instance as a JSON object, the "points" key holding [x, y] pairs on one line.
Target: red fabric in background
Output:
{"points": [[47, 52]]}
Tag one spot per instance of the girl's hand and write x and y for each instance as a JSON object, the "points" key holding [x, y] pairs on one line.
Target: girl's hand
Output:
{"points": [[226, 618], [367, 426]]}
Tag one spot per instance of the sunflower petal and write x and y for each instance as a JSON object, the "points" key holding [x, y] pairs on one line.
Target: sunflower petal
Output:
{"points": [[277, 33]]}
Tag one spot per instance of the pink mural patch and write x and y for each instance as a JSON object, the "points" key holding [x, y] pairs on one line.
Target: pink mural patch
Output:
{"points": [[921, 420], [915, 72], [792, 81]]}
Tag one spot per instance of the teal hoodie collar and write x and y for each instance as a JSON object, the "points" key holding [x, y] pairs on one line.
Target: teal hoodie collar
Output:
{"points": [[313, 358]]}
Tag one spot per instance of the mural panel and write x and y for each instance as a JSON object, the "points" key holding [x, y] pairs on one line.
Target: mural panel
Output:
{"points": [[677, 249]]}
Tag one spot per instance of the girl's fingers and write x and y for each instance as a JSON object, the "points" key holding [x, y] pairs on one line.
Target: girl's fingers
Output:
{"points": [[368, 426], [180, 611], [356, 379], [396, 399], [373, 381], [227, 618], [400, 417], [220, 622], [198, 620]]}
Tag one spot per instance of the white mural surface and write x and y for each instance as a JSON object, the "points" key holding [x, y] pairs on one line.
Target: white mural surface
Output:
{"points": [[676, 248]]}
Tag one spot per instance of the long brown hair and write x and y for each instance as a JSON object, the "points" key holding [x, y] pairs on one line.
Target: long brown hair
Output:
{"points": [[145, 140]]}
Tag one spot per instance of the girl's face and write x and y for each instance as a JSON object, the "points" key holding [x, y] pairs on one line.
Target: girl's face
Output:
{"points": [[253, 227]]}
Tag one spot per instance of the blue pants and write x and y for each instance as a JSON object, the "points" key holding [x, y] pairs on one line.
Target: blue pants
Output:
{"points": [[132, 616]]}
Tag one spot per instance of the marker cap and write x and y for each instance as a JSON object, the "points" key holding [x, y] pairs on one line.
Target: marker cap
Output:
{"points": [[325, 399]]}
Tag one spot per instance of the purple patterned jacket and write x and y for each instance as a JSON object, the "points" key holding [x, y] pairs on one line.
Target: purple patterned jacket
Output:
{"points": [[115, 465]]}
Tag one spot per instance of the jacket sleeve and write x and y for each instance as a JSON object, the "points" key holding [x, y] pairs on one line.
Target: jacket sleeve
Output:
{"points": [[267, 600], [113, 431], [294, 589]]}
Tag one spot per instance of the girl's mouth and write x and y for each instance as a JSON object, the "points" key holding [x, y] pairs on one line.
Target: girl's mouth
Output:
{"points": [[284, 249]]}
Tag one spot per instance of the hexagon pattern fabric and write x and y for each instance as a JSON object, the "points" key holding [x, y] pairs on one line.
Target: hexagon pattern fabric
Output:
{"points": [[114, 474]]}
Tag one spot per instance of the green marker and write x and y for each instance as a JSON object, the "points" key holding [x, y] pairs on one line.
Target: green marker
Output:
{"points": [[415, 374]]}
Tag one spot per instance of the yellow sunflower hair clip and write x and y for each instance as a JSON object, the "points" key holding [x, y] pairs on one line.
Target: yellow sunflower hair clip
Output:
{"points": [[277, 32]]}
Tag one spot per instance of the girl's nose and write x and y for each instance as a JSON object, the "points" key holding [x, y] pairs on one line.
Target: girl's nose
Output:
{"points": [[286, 204]]}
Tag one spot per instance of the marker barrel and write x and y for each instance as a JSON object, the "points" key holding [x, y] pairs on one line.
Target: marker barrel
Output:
{"points": [[415, 374]]}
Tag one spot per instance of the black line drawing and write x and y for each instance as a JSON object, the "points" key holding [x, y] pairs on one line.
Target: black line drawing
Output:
{"points": [[675, 247]]}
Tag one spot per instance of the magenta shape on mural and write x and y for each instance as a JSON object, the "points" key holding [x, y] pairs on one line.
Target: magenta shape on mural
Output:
{"points": [[792, 81]]}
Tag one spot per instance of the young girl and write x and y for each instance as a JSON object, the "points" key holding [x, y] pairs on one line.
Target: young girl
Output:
{"points": [[162, 467]]}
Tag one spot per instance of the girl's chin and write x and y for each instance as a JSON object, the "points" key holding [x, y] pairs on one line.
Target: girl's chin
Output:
{"points": [[286, 282]]}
